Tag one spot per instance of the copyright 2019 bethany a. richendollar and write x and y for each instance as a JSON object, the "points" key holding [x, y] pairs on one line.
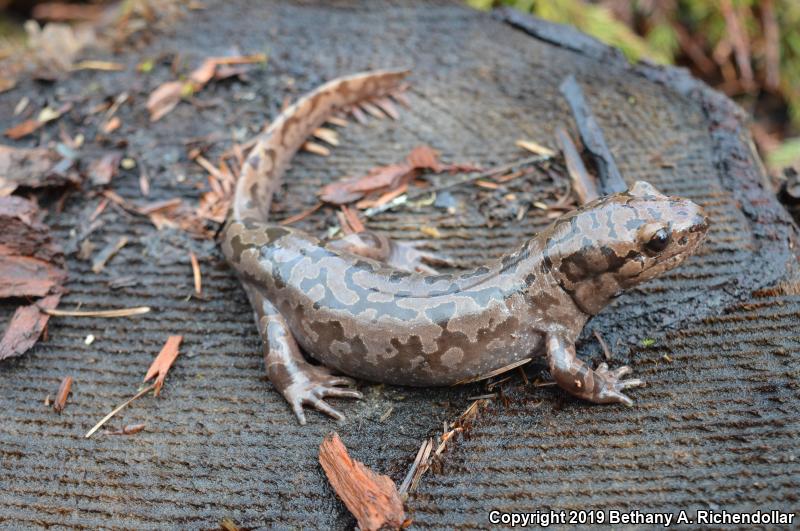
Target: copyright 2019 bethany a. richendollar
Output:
{"points": [[546, 518]]}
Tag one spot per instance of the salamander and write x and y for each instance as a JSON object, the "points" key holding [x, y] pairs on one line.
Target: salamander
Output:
{"points": [[361, 317]]}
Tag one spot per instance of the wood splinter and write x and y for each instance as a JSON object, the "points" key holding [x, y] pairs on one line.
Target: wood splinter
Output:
{"points": [[63, 393], [372, 498], [582, 183]]}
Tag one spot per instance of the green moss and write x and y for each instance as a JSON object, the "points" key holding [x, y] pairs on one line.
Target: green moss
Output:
{"points": [[593, 19]]}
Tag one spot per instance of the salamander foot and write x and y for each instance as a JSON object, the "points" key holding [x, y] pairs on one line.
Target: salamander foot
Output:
{"points": [[309, 388], [609, 390], [600, 385]]}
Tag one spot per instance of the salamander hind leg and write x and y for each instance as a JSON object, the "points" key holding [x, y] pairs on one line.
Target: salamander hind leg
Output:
{"points": [[405, 255], [601, 385], [300, 383]]}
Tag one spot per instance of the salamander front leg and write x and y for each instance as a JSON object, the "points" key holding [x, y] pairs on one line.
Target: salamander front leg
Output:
{"points": [[600, 386], [300, 383]]}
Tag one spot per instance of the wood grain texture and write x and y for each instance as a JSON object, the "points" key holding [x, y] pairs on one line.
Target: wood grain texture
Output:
{"points": [[372, 498]]}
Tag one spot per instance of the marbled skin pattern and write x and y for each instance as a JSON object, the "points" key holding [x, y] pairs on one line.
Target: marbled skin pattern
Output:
{"points": [[372, 321]]}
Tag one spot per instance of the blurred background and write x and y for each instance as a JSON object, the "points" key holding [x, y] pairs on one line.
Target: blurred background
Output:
{"points": [[748, 49]]}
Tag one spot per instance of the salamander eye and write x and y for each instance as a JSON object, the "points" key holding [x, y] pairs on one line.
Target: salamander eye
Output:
{"points": [[658, 241]]}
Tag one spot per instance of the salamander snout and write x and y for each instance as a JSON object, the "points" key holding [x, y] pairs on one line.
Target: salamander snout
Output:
{"points": [[688, 225]]}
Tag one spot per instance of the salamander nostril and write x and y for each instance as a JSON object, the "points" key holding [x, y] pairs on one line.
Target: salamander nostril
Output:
{"points": [[699, 223]]}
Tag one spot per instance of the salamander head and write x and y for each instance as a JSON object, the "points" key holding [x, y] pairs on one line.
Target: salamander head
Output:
{"points": [[619, 241]]}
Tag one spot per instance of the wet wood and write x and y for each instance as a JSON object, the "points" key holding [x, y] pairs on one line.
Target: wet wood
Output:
{"points": [[582, 183], [372, 498], [611, 180]]}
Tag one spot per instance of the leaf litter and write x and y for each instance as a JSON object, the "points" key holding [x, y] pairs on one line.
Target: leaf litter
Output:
{"points": [[158, 370], [31, 265], [385, 179], [167, 95]]}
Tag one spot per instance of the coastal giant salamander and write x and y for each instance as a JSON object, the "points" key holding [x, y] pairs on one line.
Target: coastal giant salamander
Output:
{"points": [[366, 319]]}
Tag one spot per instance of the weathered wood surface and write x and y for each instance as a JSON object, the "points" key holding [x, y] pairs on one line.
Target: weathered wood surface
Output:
{"points": [[716, 427]]}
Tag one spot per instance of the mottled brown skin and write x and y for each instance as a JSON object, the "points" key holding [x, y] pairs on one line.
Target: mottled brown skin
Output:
{"points": [[370, 320]]}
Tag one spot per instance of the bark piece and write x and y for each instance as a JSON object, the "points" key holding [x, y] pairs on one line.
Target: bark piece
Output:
{"points": [[31, 262], [102, 170], [372, 498], [164, 99], [34, 124], [63, 393], [163, 362], [31, 265], [24, 234], [34, 168], [25, 327], [24, 276]]}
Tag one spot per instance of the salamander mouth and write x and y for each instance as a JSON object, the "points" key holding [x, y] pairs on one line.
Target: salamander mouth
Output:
{"points": [[666, 263]]}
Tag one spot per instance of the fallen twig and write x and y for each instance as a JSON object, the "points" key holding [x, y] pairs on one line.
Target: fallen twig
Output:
{"points": [[198, 279], [302, 215], [490, 396], [387, 414], [740, 41], [125, 312], [772, 53], [411, 196], [422, 456], [228, 525], [119, 408], [603, 345], [106, 66], [32, 125], [423, 463], [501, 370], [107, 253], [381, 179], [582, 183], [592, 137], [534, 147]]}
